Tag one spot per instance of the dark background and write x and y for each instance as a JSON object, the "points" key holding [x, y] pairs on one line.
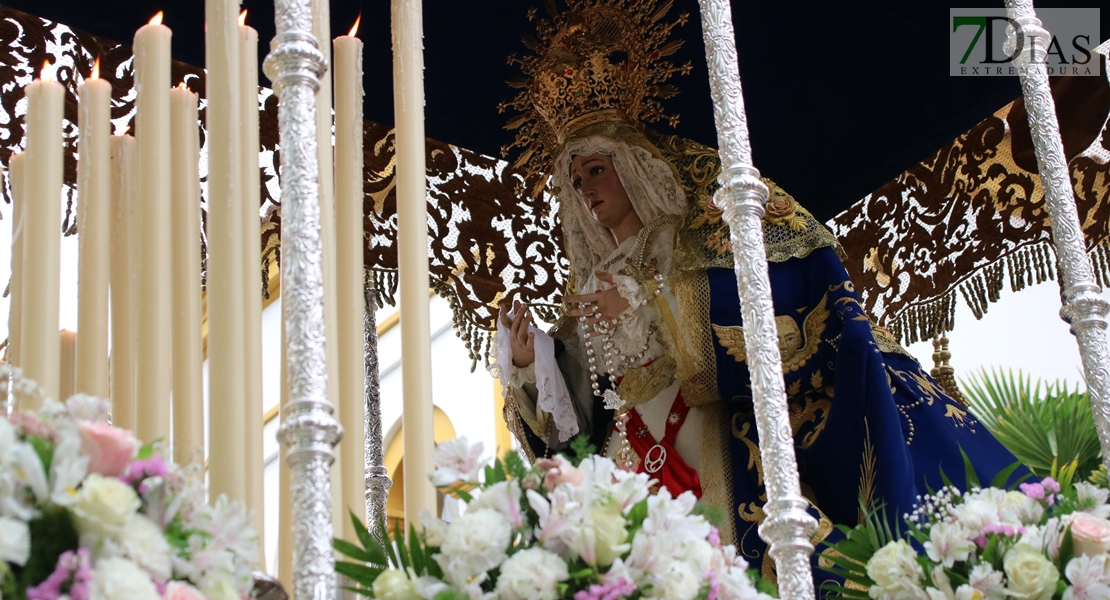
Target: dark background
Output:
{"points": [[841, 96]]}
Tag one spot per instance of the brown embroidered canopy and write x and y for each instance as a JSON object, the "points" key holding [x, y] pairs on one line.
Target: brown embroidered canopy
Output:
{"points": [[961, 220]]}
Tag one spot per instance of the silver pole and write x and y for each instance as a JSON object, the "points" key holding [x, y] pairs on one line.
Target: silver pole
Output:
{"points": [[742, 195], [377, 478], [1084, 308], [308, 430]]}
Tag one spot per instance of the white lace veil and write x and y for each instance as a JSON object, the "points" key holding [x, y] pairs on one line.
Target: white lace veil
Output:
{"points": [[648, 180]]}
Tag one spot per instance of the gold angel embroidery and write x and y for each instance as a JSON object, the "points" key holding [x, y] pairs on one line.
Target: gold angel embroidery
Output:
{"points": [[795, 349]]}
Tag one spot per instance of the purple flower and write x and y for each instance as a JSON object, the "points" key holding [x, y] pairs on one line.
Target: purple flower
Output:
{"points": [[714, 537], [1051, 485], [138, 470], [714, 586], [1034, 490], [622, 588], [71, 576]]}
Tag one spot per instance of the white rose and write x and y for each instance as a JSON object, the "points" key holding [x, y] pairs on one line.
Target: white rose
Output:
{"points": [[677, 581], [531, 573], [144, 543], [15, 541], [394, 585], [115, 578], [104, 505], [895, 570], [473, 545], [611, 533], [1029, 575]]}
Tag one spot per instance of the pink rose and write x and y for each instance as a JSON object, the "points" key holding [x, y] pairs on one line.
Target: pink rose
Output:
{"points": [[1091, 534], [559, 470], [109, 448], [179, 590]]}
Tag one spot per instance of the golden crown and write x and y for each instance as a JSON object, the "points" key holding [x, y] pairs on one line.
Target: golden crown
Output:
{"points": [[598, 61]]}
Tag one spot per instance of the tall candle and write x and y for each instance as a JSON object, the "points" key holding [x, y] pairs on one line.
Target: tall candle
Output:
{"points": [[188, 354], [40, 353], [321, 29], [252, 271], [93, 215], [349, 274], [226, 417], [152, 140], [67, 373], [122, 297], [15, 287], [412, 250]]}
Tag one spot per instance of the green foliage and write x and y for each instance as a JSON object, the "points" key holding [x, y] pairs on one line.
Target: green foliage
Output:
{"points": [[581, 449], [849, 556], [372, 557], [52, 533], [1048, 427], [714, 514], [514, 465], [1099, 477], [147, 450]]}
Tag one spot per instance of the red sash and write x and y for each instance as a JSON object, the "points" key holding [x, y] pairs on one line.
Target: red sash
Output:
{"points": [[659, 459]]}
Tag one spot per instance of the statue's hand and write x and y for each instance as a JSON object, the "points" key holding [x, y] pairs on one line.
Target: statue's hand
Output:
{"points": [[522, 342], [606, 305]]}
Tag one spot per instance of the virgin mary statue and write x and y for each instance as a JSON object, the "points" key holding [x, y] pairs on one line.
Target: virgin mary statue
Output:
{"points": [[652, 317]]}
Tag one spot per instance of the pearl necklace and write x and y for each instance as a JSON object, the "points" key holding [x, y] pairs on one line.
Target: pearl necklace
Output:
{"points": [[613, 361]]}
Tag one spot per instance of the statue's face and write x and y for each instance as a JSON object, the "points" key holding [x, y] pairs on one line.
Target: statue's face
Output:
{"points": [[600, 189]]}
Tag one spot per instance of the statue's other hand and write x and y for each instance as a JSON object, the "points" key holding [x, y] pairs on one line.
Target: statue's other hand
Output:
{"points": [[606, 305], [521, 340]]}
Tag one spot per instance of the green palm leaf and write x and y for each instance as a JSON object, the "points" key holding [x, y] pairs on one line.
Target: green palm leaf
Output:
{"points": [[1049, 427]]}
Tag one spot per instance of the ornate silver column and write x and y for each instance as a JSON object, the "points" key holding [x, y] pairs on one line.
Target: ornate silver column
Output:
{"points": [[377, 478], [1084, 308], [742, 195], [308, 430]]}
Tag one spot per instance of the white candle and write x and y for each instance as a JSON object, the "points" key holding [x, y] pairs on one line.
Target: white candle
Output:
{"points": [[412, 250], [188, 354], [152, 141], [67, 373], [349, 274], [93, 215], [40, 352], [226, 416], [252, 271], [15, 287], [321, 29], [122, 297]]}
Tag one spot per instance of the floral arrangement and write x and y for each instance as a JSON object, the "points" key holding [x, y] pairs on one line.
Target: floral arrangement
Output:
{"points": [[87, 513], [1038, 542], [556, 530]]}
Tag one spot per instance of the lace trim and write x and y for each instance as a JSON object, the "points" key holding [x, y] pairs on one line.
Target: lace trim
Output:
{"points": [[553, 397], [519, 376], [629, 289]]}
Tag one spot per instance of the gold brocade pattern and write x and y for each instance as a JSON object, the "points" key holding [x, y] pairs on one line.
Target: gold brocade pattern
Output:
{"points": [[794, 349], [866, 473], [887, 343], [716, 468], [641, 384], [699, 371], [513, 420]]}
